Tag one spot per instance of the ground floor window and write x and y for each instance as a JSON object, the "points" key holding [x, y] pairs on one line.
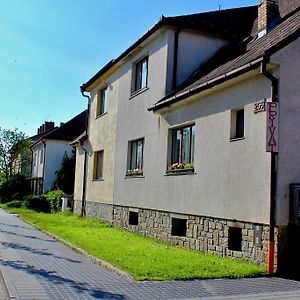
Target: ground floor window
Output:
{"points": [[183, 144], [135, 157], [98, 165]]}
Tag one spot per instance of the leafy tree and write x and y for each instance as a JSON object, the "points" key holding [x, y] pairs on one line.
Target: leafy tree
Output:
{"points": [[66, 174], [15, 155]]}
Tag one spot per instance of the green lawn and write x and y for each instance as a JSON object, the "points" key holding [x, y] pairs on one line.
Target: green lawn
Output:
{"points": [[143, 258]]}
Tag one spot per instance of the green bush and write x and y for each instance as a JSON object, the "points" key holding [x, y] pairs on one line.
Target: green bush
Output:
{"points": [[14, 187], [38, 203], [14, 204], [54, 199]]}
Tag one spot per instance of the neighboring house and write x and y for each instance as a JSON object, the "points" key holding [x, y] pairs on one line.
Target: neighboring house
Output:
{"points": [[182, 138], [48, 149]]}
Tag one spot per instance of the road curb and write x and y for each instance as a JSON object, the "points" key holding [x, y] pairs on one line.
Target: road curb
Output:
{"points": [[84, 253]]}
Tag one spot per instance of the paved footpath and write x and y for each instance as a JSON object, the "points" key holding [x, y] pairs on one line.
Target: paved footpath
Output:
{"points": [[35, 266]]}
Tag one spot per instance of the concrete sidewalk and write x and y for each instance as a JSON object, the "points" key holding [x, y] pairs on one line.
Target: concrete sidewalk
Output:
{"points": [[35, 266]]}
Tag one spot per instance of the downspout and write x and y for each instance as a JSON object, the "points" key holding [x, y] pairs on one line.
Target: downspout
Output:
{"points": [[273, 187], [175, 59], [83, 200], [44, 164]]}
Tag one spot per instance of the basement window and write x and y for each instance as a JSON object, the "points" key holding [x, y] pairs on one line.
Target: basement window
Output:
{"points": [[179, 227], [133, 218], [235, 238]]}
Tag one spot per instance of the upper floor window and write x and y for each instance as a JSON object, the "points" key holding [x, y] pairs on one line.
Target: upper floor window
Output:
{"points": [[237, 124], [141, 75], [42, 156], [183, 144], [101, 102], [135, 157], [34, 159], [98, 165]]}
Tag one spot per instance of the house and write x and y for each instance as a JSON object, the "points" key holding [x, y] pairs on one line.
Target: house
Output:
{"points": [[48, 149], [186, 142]]}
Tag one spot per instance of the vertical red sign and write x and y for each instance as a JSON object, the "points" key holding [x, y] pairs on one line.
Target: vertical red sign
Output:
{"points": [[272, 126]]}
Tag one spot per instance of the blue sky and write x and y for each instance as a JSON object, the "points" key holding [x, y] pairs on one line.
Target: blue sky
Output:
{"points": [[48, 48]]}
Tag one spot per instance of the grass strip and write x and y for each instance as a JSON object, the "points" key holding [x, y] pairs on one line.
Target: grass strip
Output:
{"points": [[142, 257]]}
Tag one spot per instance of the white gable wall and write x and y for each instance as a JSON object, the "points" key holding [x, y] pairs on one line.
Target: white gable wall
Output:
{"points": [[55, 151], [194, 49]]}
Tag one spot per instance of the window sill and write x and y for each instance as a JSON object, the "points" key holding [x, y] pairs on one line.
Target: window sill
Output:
{"points": [[237, 139], [136, 93], [180, 172], [128, 176], [101, 115], [98, 179]]}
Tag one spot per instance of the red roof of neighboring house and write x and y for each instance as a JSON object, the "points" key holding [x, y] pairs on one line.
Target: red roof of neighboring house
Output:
{"points": [[67, 131]]}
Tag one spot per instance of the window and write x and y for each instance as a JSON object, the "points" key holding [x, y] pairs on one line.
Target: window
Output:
{"points": [[179, 227], [183, 144], [237, 124], [235, 238], [42, 156], [133, 218], [98, 165], [141, 75], [135, 157], [34, 159], [101, 102]]}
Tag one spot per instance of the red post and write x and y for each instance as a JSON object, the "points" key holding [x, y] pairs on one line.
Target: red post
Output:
{"points": [[271, 257]]}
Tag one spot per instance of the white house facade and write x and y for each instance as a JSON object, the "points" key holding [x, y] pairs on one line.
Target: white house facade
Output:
{"points": [[189, 150]]}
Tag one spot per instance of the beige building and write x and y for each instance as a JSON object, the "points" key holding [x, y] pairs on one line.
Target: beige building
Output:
{"points": [[183, 142]]}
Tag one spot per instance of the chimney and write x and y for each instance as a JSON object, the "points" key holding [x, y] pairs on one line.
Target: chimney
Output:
{"points": [[49, 125], [41, 129], [268, 11], [38, 131]]}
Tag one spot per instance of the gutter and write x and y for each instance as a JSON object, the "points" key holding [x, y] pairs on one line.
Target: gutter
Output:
{"points": [[208, 84], [83, 199], [273, 184]]}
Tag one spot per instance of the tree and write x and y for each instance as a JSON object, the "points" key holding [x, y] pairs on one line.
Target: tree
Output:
{"points": [[66, 174], [15, 154]]}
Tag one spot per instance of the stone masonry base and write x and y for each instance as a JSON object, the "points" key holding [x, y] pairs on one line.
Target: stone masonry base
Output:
{"points": [[226, 238], [94, 209], [202, 233]]}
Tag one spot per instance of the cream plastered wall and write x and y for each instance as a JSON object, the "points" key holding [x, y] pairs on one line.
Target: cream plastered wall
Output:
{"points": [[102, 136], [232, 179], [289, 126]]}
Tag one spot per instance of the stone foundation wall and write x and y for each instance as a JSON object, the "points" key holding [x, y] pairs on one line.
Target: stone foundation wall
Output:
{"points": [[202, 233], [77, 206], [95, 209]]}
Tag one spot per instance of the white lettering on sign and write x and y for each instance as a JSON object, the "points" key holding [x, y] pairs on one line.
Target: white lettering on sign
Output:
{"points": [[272, 126]]}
